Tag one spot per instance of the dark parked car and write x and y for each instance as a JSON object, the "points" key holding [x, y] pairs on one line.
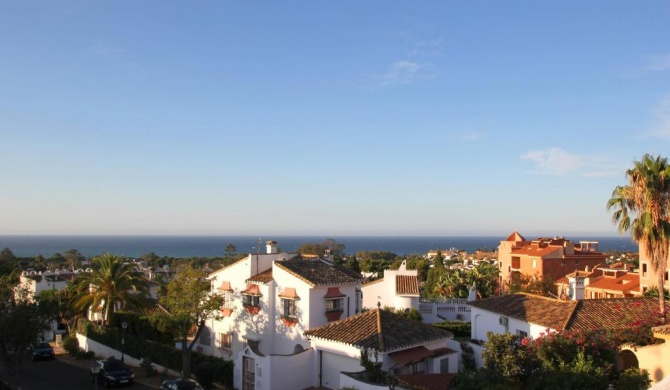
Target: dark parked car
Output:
{"points": [[42, 351], [113, 373], [181, 384]]}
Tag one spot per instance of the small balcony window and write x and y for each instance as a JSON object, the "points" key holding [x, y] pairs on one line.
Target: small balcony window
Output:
{"points": [[334, 304], [289, 306], [225, 340], [251, 300]]}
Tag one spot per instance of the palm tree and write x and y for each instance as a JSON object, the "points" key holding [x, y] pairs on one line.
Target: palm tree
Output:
{"points": [[642, 207], [112, 285]]}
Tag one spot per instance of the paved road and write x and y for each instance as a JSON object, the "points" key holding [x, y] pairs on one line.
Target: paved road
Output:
{"points": [[58, 375]]}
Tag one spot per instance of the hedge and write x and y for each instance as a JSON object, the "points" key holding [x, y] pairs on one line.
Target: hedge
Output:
{"points": [[458, 328]]}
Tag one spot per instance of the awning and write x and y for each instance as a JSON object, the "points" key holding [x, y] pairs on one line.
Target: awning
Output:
{"points": [[252, 289], [417, 354], [411, 355], [334, 292], [289, 293], [225, 286]]}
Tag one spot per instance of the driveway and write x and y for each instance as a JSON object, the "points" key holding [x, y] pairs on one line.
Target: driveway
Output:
{"points": [[59, 375]]}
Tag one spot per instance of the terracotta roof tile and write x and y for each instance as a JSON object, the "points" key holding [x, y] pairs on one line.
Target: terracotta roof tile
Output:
{"points": [[380, 330], [533, 250], [662, 331], [586, 314], [263, 277], [624, 284], [407, 284], [515, 236], [317, 273], [552, 313], [612, 313], [373, 282]]}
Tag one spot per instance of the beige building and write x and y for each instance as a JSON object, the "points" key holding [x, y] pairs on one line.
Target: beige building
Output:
{"points": [[545, 257]]}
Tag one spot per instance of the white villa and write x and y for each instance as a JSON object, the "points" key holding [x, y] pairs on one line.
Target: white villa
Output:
{"points": [[294, 322], [398, 289]]}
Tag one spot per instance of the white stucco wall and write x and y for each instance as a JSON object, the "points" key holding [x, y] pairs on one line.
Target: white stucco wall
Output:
{"points": [[484, 321], [291, 371]]}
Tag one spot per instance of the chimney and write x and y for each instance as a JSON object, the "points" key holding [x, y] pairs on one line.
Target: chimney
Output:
{"points": [[271, 247]]}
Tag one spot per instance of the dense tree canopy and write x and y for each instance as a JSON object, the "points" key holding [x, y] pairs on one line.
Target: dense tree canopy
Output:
{"points": [[112, 285], [565, 360], [642, 207], [22, 321], [190, 303]]}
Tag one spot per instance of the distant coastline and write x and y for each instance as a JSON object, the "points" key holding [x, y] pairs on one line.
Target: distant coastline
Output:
{"points": [[211, 246]]}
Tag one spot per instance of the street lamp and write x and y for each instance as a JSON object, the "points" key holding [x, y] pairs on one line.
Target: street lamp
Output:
{"points": [[124, 325], [95, 369]]}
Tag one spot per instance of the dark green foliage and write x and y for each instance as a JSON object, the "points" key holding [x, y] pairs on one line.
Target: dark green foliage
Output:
{"points": [[147, 366], [411, 314], [138, 343], [205, 373], [373, 369], [468, 357], [71, 345], [458, 328], [561, 361], [319, 249]]}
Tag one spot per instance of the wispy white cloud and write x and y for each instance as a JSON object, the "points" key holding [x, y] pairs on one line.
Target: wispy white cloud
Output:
{"points": [[474, 136], [553, 161], [661, 127], [659, 63], [433, 47], [558, 162], [105, 50], [407, 72]]}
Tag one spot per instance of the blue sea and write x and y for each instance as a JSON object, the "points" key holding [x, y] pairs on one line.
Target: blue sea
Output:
{"points": [[210, 246]]}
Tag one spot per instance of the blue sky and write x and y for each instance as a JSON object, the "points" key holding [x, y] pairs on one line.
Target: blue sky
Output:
{"points": [[326, 118]]}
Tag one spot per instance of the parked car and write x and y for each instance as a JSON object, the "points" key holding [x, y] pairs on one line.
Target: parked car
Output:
{"points": [[43, 351], [113, 373], [181, 384]]}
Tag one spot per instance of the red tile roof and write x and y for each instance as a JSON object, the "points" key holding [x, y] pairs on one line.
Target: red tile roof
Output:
{"points": [[533, 250], [417, 354], [263, 277], [624, 284], [316, 273], [381, 330], [534, 309], [373, 282], [407, 285], [515, 236], [613, 313], [586, 314]]}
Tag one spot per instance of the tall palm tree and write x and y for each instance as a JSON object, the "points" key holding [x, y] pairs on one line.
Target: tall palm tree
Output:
{"points": [[642, 207], [112, 285]]}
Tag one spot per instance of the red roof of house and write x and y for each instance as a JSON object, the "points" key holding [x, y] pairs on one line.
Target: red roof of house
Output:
{"points": [[407, 285], [515, 236]]}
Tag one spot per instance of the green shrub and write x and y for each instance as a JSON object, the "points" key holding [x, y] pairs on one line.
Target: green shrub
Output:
{"points": [[147, 365], [458, 328], [205, 373], [71, 345], [84, 355]]}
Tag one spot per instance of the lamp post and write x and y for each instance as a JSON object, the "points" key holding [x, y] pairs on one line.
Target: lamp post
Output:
{"points": [[124, 325], [95, 369]]}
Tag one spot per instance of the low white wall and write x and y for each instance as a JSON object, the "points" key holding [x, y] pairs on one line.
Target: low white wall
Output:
{"points": [[478, 350], [438, 310], [284, 370], [103, 352], [347, 381]]}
